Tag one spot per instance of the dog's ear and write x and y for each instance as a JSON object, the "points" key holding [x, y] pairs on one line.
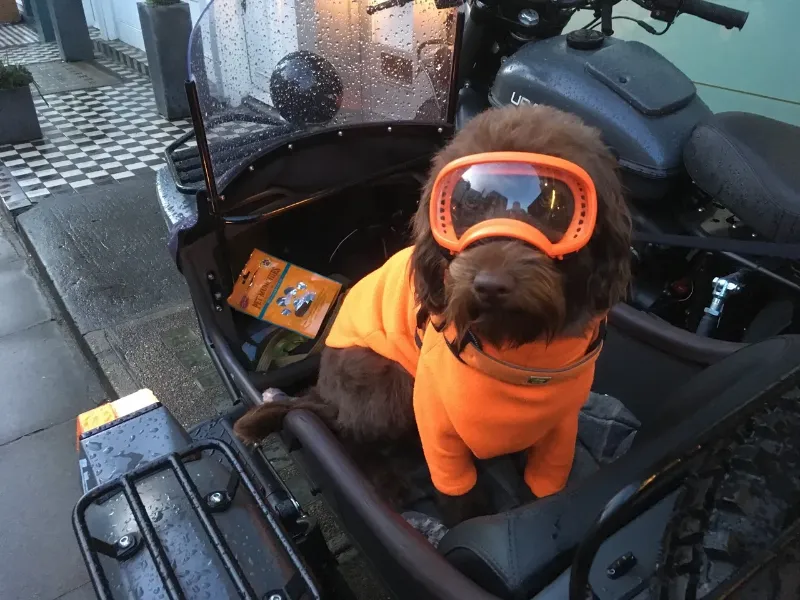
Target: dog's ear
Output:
{"points": [[611, 242], [428, 264]]}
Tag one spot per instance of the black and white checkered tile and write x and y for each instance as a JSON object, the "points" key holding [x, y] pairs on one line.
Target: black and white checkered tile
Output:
{"points": [[39, 53], [91, 137], [16, 34]]}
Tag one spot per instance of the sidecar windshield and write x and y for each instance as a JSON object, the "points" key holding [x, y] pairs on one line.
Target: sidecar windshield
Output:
{"points": [[270, 70]]}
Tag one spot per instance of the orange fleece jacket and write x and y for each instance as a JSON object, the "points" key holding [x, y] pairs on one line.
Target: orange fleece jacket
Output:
{"points": [[460, 411]]}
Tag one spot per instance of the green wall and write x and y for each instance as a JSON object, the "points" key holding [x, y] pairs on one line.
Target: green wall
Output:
{"points": [[756, 69]]}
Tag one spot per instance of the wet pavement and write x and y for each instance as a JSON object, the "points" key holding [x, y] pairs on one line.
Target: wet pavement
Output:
{"points": [[104, 252], [47, 382]]}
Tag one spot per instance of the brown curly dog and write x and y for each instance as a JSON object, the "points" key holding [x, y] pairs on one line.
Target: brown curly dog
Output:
{"points": [[367, 398]]}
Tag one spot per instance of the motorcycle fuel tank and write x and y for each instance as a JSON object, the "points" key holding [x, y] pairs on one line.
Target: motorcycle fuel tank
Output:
{"points": [[643, 105]]}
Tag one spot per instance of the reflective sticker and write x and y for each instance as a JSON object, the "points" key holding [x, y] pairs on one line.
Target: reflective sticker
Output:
{"points": [[112, 411]]}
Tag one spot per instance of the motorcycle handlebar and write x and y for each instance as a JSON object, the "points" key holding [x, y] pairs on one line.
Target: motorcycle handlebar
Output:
{"points": [[708, 11]]}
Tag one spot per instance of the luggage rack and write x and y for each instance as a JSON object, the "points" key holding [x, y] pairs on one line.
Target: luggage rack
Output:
{"points": [[203, 508]]}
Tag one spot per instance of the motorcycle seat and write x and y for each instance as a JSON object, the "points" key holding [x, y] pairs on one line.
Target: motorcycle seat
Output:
{"points": [[748, 164]]}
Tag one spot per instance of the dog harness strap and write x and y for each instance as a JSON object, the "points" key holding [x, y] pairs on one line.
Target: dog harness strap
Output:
{"points": [[471, 353], [516, 375]]}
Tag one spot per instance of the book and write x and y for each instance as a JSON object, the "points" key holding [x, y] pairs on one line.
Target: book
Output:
{"points": [[281, 293]]}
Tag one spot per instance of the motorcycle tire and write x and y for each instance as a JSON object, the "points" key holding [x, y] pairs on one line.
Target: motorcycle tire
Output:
{"points": [[734, 508]]}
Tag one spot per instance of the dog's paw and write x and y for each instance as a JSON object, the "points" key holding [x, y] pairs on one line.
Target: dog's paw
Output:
{"points": [[274, 395], [456, 509]]}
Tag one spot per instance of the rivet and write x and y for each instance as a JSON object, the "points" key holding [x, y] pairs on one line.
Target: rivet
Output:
{"points": [[251, 168], [218, 308], [210, 276], [440, 130], [341, 133], [389, 129], [290, 147]]}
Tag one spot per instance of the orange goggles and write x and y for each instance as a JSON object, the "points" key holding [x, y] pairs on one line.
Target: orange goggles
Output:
{"points": [[542, 200]]}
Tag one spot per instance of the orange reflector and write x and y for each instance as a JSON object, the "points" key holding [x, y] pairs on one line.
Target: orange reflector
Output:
{"points": [[110, 412]]}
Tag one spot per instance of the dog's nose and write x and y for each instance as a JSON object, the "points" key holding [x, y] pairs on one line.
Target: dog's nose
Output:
{"points": [[492, 285]]}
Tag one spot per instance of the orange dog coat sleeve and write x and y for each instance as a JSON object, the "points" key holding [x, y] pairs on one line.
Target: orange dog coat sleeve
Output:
{"points": [[379, 313]]}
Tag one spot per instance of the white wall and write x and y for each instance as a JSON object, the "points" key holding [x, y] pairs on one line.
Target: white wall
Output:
{"points": [[752, 70]]}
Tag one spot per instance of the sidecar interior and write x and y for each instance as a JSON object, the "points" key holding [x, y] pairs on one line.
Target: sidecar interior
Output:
{"points": [[524, 552]]}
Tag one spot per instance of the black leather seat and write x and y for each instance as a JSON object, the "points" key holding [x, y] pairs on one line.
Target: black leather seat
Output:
{"points": [[519, 553], [748, 163]]}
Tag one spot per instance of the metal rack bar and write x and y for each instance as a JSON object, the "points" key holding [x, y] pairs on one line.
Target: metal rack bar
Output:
{"points": [[234, 571], [157, 552]]}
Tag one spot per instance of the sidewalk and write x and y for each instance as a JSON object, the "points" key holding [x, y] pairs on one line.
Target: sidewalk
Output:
{"points": [[84, 200], [93, 135], [46, 384]]}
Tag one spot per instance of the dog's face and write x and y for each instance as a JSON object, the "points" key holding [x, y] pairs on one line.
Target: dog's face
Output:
{"points": [[506, 291]]}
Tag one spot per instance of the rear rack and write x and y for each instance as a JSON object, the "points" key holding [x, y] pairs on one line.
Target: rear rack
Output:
{"points": [[91, 547]]}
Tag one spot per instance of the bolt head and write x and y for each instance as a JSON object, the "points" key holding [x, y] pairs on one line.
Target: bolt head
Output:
{"points": [[251, 168], [215, 498], [275, 597], [291, 147], [217, 295], [218, 307], [210, 277], [340, 134], [528, 17], [125, 541], [439, 130], [389, 129]]}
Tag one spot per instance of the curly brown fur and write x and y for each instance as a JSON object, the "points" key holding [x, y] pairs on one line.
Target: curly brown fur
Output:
{"points": [[550, 298], [358, 393], [366, 400]]}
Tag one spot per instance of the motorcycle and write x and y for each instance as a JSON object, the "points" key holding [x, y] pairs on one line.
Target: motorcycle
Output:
{"points": [[309, 148], [714, 207]]}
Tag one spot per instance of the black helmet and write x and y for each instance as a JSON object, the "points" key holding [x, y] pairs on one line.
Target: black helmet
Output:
{"points": [[306, 89]]}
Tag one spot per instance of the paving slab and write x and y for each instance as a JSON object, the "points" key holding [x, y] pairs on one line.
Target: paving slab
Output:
{"points": [[85, 592], [105, 253], [45, 381], [165, 352], [39, 556], [23, 304], [8, 252]]}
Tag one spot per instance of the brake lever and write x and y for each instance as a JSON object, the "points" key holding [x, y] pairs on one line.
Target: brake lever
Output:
{"points": [[371, 10]]}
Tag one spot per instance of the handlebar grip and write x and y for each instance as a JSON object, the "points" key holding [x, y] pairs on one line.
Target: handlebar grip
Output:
{"points": [[715, 13]]}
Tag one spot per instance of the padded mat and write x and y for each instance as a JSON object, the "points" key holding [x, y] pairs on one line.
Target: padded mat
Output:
{"points": [[55, 77]]}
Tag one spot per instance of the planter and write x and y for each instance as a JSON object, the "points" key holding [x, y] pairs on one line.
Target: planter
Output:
{"points": [[72, 33], [9, 13], [166, 30], [18, 120]]}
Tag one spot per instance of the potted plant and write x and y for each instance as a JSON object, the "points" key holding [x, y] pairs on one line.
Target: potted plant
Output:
{"points": [[166, 26], [9, 13], [18, 120]]}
